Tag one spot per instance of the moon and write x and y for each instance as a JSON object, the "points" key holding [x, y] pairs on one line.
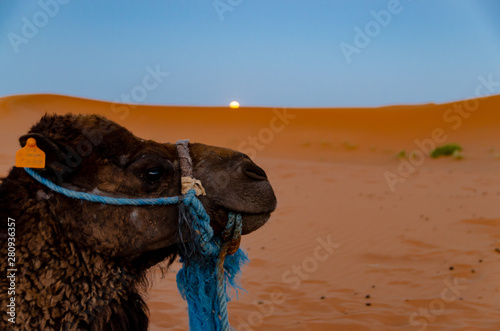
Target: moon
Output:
{"points": [[234, 104]]}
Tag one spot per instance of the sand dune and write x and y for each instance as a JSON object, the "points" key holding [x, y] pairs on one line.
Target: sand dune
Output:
{"points": [[361, 239]]}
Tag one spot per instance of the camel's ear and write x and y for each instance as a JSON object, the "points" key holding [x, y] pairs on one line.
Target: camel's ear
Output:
{"points": [[60, 161]]}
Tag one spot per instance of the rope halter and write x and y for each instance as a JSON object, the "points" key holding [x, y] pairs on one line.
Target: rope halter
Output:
{"points": [[207, 310]]}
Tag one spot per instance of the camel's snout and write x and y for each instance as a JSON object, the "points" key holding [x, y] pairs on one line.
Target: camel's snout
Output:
{"points": [[233, 182], [254, 172]]}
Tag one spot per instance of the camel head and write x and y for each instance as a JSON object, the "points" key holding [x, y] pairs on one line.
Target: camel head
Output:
{"points": [[92, 154]]}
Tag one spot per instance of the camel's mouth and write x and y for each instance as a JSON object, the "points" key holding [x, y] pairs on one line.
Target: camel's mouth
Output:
{"points": [[254, 212], [250, 221]]}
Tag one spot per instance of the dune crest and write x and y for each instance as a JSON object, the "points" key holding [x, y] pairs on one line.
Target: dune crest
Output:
{"points": [[345, 249]]}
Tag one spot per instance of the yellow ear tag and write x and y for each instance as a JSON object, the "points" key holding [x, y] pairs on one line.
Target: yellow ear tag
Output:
{"points": [[30, 156]]}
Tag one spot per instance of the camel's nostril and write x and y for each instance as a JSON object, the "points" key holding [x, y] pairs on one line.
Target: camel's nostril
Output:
{"points": [[255, 172]]}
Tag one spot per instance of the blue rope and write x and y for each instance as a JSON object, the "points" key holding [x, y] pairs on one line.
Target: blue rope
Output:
{"points": [[234, 223], [201, 225], [203, 279], [101, 199]]}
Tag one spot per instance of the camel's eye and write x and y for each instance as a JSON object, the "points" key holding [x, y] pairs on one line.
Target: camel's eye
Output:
{"points": [[152, 171], [153, 175]]}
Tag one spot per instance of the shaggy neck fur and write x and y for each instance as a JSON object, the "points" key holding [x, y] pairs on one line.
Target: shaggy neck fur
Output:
{"points": [[61, 287]]}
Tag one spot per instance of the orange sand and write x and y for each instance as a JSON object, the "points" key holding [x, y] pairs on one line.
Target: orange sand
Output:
{"points": [[419, 255]]}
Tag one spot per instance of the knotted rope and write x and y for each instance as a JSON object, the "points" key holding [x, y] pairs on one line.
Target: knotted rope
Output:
{"points": [[216, 261]]}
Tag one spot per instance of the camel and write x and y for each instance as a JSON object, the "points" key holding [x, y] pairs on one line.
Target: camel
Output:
{"points": [[83, 265]]}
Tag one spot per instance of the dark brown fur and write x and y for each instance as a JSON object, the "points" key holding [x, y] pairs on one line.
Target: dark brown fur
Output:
{"points": [[82, 265]]}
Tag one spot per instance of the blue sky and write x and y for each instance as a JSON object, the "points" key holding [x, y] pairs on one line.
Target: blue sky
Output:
{"points": [[260, 52]]}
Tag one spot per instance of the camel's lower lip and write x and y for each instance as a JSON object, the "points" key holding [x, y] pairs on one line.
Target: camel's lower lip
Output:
{"points": [[252, 221]]}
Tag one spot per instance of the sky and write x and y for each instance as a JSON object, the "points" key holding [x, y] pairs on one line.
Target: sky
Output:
{"points": [[274, 53]]}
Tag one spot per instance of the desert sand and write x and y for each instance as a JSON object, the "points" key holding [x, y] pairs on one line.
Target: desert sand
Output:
{"points": [[362, 239]]}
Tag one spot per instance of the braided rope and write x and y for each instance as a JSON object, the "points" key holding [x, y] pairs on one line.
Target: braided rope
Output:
{"points": [[230, 246], [202, 224]]}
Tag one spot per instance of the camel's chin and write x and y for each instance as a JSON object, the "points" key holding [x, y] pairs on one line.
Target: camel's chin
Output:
{"points": [[252, 222]]}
